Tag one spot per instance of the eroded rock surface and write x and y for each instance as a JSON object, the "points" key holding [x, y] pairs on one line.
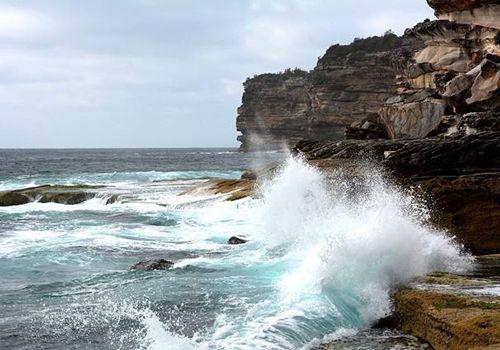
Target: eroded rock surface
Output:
{"points": [[453, 311], [348, 83], [459, 176]]}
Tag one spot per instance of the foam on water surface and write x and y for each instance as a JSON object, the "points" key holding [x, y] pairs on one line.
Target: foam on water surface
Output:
{"points": [[322, 259]]}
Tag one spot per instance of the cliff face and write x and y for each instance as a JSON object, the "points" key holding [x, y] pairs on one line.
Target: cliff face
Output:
{"points": [[348, 83], [457, 72], [382, 87], [443, 125], [477, 12]]}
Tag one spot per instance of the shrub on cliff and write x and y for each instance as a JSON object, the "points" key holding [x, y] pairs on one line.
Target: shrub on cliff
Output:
{"points": [[359, 46]]}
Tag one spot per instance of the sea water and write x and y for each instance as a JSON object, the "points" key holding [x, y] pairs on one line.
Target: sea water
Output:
{"points": [[320, 264]]}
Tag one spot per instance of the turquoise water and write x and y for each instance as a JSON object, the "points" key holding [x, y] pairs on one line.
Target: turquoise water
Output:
{"points": [[320, 261]]}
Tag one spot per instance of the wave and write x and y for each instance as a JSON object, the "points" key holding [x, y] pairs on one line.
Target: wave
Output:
{"points": [[325, 252]]}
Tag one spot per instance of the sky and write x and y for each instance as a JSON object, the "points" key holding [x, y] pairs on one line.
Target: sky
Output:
{"points": [[160, 73]]}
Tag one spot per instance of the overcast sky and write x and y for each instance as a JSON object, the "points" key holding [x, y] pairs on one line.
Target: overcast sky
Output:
{"points": [[160, 73]]}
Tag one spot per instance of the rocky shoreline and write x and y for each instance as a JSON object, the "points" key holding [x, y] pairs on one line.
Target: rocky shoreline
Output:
{"points": [[425, 110]]}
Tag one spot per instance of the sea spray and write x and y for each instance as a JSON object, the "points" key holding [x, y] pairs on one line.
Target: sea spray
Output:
{"points": [[328, 250], [352, 248]]}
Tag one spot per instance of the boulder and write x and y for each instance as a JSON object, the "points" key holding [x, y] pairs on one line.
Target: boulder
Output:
{"points": [[412, 119], [152, 265], [486, 85]]}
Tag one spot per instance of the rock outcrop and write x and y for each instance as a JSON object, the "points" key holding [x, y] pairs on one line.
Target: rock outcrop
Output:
{"points": [[50, 193], [476, 12], [460, 177], [231, 189], [382, 87], [458, 71], [348, 83], [453, 311]]}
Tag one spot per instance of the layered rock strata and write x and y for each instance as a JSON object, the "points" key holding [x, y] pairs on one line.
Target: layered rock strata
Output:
{"points": [[453, 311], [459, 176], [457, 72], [348, 83]]}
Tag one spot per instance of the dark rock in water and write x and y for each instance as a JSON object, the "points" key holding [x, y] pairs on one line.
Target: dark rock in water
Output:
{"points": [[152, 265], [48, 193], [236, 240], [12, 198], [113, 199]]}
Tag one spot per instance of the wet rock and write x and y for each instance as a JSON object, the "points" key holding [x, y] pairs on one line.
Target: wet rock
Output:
{"points": [[450, 321], [460, 176], [236, 240], [112, 199], [48, 193], [232, 189], [152, 265], [13, 198]]}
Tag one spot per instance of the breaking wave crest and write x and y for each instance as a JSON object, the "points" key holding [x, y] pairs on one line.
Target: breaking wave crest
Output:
{"points": [[332, 250]]}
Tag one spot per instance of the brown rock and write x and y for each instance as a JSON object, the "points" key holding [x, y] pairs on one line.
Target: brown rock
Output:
{"points": [[442, 6], [348, 83], [450, 321], [486, 85], [233, 189]]}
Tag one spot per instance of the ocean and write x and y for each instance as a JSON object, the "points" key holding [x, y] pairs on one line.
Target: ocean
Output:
{"points": [[319, 265]]}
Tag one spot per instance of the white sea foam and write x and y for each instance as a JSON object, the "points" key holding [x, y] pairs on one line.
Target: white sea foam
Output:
{"points": [[334, 255], [322, 259], [356, 247]]}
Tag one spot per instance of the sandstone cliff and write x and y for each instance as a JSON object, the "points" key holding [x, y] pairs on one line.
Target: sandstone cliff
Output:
{"points": [[348, 83]]}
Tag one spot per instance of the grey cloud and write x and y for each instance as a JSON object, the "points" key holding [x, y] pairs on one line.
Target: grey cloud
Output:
{"points": [[150, 73]]}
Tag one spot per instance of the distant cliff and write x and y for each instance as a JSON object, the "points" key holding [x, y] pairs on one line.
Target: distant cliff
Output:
{"points": [[348, 83], [382, 87]]}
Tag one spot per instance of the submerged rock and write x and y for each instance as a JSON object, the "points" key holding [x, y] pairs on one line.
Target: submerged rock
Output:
{"points": [[152, 265], [236, 240]]}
